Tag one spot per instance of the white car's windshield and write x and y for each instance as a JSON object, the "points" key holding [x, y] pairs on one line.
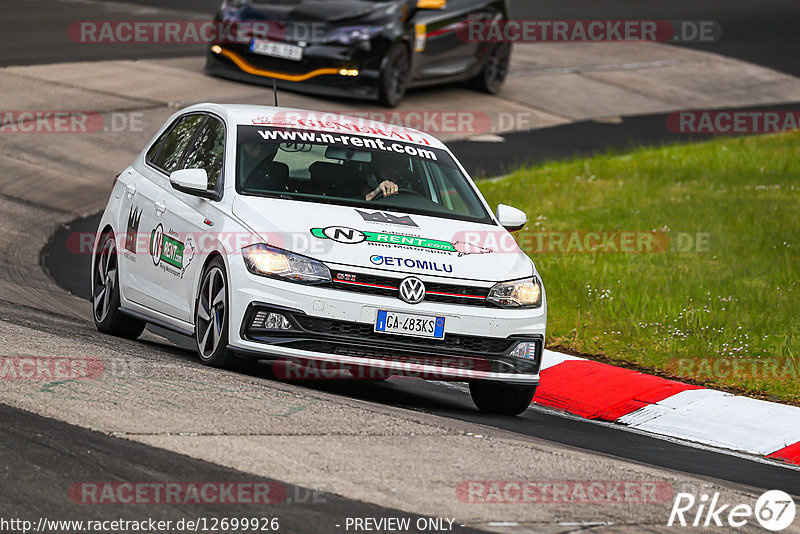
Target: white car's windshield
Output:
{"points": [[339, 168]]}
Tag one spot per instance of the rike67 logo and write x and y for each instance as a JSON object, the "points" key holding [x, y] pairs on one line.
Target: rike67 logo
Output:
{"points": [[774, 510]]}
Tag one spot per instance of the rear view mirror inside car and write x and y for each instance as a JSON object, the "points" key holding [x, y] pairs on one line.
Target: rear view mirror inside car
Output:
{"points": [[348, 154]]}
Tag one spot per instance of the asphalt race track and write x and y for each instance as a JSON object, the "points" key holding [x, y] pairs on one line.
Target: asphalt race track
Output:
{"points": [[58, 453], [584, 138], [177, 420], [760, 32], [68, 270]]}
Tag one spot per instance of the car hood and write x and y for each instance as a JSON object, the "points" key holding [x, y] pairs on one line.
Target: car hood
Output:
{"points": [[314, 10], [387, 241]]}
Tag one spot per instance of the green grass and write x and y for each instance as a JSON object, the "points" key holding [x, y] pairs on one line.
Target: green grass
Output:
{"points": [[726, 315]]}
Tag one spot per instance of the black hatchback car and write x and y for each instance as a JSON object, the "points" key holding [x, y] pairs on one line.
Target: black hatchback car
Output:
{"points": [[359, 48]]}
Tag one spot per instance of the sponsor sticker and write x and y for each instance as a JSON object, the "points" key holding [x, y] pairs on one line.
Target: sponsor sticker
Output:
{"points": [[421, 37], [409, 263], [387, 218], [134, 216], [352, 236], [173, 255]]}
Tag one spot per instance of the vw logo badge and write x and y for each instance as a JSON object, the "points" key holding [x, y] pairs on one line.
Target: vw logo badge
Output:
{"points": [[412, 290]]}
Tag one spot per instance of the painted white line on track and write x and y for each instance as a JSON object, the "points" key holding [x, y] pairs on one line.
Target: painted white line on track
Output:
{"points": [[596, 68], [585, 523]]}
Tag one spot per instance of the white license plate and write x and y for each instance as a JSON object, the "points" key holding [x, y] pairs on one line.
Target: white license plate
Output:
{"points": [[408, 324], [281, 50]]}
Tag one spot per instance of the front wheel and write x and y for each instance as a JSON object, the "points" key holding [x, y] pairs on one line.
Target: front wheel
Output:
{"points": [[495, 71], [211, 317], [105, 293], [394, 76], [505, 399]]}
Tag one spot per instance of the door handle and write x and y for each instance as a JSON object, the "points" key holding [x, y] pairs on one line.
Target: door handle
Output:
{"points": [[161, 207], [131, 189]]}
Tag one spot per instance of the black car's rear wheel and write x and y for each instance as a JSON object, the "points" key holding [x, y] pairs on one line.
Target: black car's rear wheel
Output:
{"points": [[212, 317], [105, 293], [394, 76], [505, 399], [495, 71]]}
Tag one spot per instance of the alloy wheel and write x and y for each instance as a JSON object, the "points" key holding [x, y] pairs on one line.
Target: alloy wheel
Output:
{"points": [[210, 319], [398, 77], [497, 67], [105, 279]]}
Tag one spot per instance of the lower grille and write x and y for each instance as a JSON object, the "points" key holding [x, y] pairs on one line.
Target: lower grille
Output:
{"points": [[359, 340], [476, 344]]}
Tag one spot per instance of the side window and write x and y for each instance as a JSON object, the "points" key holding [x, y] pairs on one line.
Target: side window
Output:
{"points": [[175, 143], [451, 197], [208, 151], [152, 152]]}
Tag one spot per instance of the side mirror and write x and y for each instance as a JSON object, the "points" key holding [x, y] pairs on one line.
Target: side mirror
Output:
{"points": [[192, 182], [431, 4], [512, 219]]}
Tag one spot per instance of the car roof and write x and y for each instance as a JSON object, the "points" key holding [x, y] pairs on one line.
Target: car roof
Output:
{"points": [[249, 115]]}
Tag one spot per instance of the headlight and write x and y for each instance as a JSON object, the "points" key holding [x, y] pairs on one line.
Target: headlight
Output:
{"points": [[525, 293], [352, 34], [269, 261]]}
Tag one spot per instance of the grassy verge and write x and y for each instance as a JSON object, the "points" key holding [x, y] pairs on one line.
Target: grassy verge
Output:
{"points": [[716, 298]]}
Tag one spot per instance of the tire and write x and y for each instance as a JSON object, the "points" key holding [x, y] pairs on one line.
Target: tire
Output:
{"points": [[505, 399], [105, 293], [495, 71], [393, 82], [212, 317]]}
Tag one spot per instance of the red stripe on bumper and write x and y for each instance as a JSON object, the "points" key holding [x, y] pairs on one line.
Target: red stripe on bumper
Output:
{"points": [[599, 391]]}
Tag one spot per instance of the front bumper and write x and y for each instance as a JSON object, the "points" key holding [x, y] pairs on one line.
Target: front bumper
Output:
{"points": [[335, 326], [320, 71]]}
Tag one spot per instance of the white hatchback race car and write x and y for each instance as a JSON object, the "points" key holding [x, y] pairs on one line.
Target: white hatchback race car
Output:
{"points": [[322, 242]]}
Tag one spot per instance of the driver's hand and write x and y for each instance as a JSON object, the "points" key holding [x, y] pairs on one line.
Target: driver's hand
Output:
{"points": [[387, 187]]}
